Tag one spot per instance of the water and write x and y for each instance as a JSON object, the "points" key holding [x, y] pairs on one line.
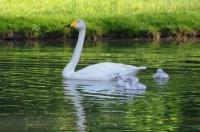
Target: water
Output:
{"points": [[34, 97]]}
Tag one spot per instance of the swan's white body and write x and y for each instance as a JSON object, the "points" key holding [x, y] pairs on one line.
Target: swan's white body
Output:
{"points": [[100, 71]]}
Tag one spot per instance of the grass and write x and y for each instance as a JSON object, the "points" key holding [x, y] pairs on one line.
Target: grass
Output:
{"points": [[108, 18]]}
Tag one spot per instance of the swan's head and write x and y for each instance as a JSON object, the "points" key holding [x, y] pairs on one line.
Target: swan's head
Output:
{"points": [[78, 24]]}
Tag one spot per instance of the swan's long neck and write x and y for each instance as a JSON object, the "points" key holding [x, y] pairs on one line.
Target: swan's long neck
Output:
{"points": [[70, 67]]}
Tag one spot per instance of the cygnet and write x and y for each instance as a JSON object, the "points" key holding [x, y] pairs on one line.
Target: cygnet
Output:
{"points": [[160, 74], [133, 83], [121, 79]]}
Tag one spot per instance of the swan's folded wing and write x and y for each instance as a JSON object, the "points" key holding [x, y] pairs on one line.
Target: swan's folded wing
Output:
{"points": [[105, 71]]}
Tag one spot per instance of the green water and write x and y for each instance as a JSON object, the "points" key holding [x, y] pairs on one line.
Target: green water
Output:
{"points": [[35, 98]]}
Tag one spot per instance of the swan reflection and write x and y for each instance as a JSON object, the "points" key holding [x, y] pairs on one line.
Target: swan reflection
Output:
{"points": [[77, 89], [161, 82]]}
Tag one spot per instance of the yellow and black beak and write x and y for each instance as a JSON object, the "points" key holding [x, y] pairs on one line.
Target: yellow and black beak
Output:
{"points": [[73, 24]]}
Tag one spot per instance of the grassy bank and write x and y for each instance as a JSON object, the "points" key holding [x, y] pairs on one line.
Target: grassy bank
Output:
{"points": [[114, 18]]}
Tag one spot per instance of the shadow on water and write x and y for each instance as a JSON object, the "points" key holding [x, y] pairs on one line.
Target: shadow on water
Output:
{"points": [[34, 96]]}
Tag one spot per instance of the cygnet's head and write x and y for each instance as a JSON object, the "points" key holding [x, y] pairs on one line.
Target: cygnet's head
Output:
{"points": [[78, 24], [159, 70]]}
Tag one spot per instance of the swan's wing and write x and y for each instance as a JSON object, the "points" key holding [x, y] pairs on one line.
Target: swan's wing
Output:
{"points": [[106, 68], [105, 71]]}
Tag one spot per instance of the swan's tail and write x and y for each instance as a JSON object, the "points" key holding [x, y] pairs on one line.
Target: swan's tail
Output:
{"points": [[136, 70], [141, 68]]}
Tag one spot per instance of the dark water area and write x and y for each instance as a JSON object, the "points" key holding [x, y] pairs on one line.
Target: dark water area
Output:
{"points": [[35, 97]]}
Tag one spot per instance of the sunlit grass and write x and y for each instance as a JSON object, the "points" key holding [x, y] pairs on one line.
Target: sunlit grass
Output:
{"points": [[130, 18]]}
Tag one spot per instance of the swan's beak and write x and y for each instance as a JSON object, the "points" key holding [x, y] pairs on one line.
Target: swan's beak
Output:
{"points": [[73, 24]]}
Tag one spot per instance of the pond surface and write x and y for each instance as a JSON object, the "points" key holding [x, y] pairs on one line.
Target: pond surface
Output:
{"points": [[34, 96]]}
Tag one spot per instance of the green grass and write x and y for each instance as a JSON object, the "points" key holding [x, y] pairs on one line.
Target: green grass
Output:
{"points": [[111, 18]]}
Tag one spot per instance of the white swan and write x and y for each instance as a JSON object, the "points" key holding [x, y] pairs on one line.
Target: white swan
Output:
{"points": [[100, 71], [160, 74]]}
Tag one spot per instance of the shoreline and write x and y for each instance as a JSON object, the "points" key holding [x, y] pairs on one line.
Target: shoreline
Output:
{"points": [[114, 19], [105, 38], [15, 36]]}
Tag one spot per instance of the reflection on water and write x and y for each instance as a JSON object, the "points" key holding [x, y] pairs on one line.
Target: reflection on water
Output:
{"points": [[101, 89], [161, 81], [95, 89], [34, 96], [77, 102]]}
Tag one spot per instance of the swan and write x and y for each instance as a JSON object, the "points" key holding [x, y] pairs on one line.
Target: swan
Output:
{"points": [[100, 71], [160, 74]]}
